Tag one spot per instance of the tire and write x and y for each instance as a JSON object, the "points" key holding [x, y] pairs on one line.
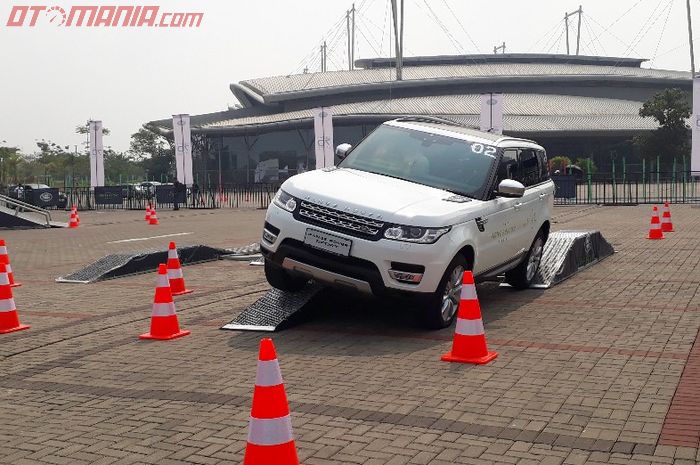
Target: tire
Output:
{"points": [[522, 275], [280, 279], [435, 314]]}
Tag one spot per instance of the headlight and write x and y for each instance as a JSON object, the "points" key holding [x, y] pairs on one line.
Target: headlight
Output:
{"points": [[414, 234], [285, 201]]}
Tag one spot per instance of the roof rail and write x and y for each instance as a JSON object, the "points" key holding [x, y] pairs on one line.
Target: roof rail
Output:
{"points": [[428, 119]]}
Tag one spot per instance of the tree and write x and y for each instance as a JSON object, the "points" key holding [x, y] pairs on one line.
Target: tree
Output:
{"points": [[670, 109], [584, 164], [56, 162], [560, 163], [10, 162], [154, 152], [84, 128], [120, 167]]}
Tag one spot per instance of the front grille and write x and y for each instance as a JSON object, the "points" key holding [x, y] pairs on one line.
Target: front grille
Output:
{"points": [[337, 220]]}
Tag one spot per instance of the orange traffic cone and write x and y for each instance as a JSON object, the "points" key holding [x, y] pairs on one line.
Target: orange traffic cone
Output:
{"points": [[9, 320], [74, 209], [73, 221], [148, 212], [154, 218], [164, 324], [655, 231], [469, 344], [666, 224], [5, 260], [270, 438], [175, 276]]}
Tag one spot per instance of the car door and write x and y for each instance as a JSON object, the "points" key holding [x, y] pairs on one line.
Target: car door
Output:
{"points": [[502, 240], [530, 176], [544, 191]]}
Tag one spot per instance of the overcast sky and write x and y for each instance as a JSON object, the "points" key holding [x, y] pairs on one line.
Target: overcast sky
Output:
{"points": [[54, 78]]}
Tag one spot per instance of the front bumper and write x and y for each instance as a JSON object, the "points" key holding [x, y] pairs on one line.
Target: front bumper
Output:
{"points": [[370, 262]]}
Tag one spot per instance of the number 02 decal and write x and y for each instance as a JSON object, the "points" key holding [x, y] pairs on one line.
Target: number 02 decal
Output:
{"points": [[485, 149]]}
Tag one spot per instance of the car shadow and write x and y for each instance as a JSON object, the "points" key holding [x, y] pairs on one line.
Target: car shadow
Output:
{"points": [[348, 324]]}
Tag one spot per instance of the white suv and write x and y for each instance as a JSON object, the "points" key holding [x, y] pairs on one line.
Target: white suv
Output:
{"points": [[407, 210]]}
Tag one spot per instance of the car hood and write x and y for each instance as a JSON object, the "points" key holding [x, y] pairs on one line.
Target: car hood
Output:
{"points": [[382, 197]]}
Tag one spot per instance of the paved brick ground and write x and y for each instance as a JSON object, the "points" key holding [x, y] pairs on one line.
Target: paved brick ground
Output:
{"points": [[600, 369]]}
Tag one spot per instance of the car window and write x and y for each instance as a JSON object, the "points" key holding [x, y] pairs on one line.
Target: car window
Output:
{"points": [[508, 166], [523, 165], [544, 165], [529, 167], [426, 158]]}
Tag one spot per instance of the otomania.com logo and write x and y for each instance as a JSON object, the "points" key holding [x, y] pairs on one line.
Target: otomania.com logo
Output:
{"points": [[100, 16]]}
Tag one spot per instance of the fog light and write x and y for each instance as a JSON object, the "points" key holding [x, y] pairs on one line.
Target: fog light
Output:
{"points": [[406, 277], [269, 237]]}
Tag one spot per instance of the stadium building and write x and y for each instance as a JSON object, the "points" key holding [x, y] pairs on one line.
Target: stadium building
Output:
{"points": [[578, 106]]}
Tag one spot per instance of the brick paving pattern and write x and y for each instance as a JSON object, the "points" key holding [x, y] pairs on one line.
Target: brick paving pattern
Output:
{"points": [[602, 368], [682, 425]]}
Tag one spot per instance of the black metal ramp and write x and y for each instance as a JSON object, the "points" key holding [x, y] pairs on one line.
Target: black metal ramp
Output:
{"points": [[125, 264], [273, 310], [248, 252], [568, 252], [14, 219]]}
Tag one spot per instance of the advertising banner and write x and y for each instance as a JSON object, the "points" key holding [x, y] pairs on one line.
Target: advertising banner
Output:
{"points": [[183, 148], [323, 137], [97, 161], [44, 197], [491, 119], [695, 127], [110, 195]]}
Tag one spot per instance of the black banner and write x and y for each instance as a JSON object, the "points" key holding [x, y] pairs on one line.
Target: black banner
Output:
{"points": [[109, 195], [167, 194], [47, 197], [564, 186]]}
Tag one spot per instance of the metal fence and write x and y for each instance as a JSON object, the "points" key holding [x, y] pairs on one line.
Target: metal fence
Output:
{"points": [[599, 188], [163, 197], [631, 188]]}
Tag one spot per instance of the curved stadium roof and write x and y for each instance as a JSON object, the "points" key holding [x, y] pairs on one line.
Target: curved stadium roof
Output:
{"points": [[543, 93]]}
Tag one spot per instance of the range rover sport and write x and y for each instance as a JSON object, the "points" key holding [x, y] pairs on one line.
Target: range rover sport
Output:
{"points": [[408, 210]]}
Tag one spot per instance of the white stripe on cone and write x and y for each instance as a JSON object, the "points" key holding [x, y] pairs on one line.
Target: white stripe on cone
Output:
{"points": [[174, 273], [8, 268], [4, 279], [270, 431], [469, 327], [163, 309], [162, 281], [172, 253], [268, 373], [655, 226], [7, 305], [468, 292], [3, 250]]}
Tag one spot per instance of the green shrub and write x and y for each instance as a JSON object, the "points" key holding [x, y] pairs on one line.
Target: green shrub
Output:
{"points": [[560, 163], [583, 164]]}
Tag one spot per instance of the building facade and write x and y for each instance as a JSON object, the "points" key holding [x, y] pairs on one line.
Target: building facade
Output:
{"points": [[577, 106]]}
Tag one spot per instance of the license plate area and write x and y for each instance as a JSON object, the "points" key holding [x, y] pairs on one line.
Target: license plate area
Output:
{"points": [[327, 242]]}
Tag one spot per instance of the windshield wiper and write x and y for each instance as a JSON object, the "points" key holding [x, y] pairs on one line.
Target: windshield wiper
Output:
{"points": [[463, 194], [388, 175]]}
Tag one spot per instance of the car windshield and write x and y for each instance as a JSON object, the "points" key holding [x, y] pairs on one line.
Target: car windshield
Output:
{"points": [[426, 158]]}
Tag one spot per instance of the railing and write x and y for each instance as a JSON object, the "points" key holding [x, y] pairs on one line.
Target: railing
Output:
{"points": [[162, 197], [632, 188], [600, 188], [20, 207]]}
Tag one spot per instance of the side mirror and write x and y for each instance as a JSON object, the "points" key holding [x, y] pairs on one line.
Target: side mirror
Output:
{"points": [[510, 188], [342, 150]]}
